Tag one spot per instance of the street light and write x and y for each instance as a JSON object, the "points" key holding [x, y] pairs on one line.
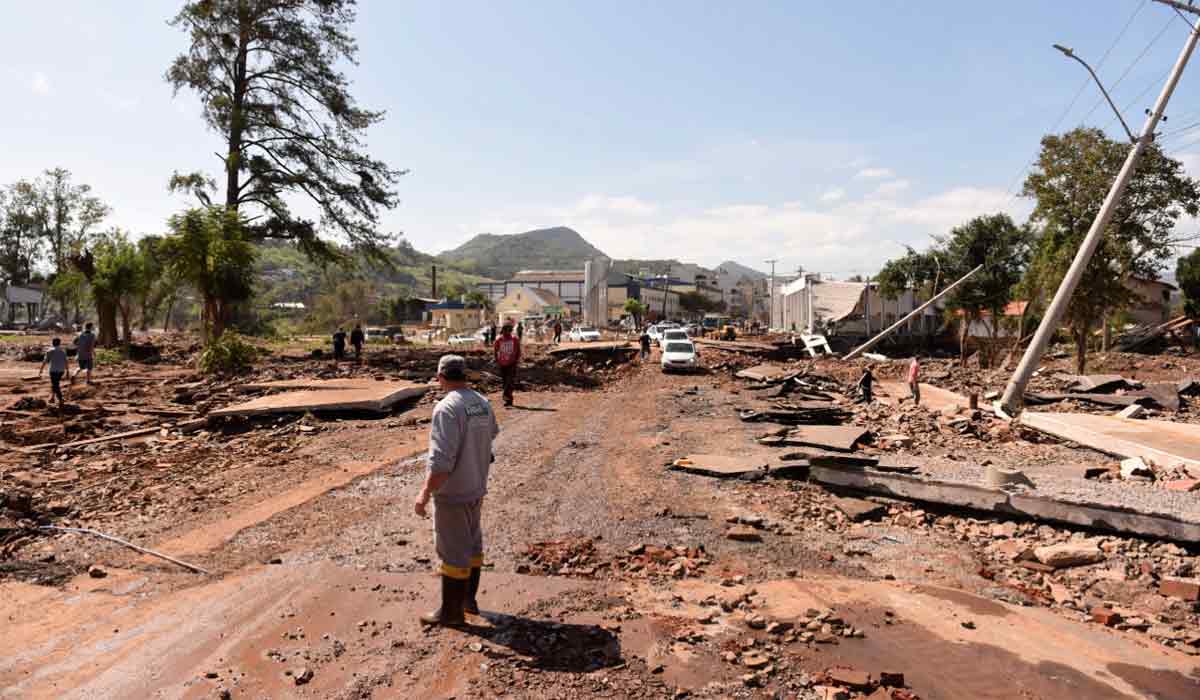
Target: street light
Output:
{"points": [[1071, 54]]}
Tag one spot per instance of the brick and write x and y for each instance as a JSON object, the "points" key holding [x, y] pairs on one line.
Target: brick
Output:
{"points": [[1105, 616], [1175, 588], [855, 680]]}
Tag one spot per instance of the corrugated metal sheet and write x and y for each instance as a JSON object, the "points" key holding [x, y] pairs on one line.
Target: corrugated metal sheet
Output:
{"points": [[22, 295]]}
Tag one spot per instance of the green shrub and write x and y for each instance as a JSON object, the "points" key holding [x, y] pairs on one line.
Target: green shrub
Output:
{"points": [[109, 356], [227, 354]]}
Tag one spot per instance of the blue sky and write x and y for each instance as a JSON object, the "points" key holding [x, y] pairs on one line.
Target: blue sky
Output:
{"points": [[823, 134]]}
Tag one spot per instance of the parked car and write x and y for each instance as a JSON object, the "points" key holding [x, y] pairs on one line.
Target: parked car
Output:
{"points": [[673, 334], [462, 340], [679, 356], [583, 334]]}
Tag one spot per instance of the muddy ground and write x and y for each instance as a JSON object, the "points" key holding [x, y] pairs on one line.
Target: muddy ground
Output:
{"points": [[609, 575]]}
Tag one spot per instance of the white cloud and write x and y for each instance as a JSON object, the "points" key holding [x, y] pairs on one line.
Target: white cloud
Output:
{"points": [[873, 173], [891, 188], [630, 206], [833, 195], [39, 83]]}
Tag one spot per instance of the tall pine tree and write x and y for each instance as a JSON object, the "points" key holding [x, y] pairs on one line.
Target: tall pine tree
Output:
{"points": [[266, 73]]}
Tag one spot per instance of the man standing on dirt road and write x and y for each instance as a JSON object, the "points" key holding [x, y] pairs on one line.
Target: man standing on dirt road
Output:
{"points": [[644, 341], [507, 351], [357, 339], [914, 380], [85, 352], [557, 331], [339, 345], [56, 357], [460, 457]]}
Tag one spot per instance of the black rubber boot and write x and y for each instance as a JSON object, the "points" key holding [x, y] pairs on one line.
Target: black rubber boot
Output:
{"points": [[454, 591], [471, 605]]}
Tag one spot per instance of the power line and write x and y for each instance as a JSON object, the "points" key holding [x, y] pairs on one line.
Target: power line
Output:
{"points": [[1132, 65], [1078, 93]]}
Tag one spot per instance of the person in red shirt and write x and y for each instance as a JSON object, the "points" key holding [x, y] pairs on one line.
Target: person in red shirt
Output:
{"points": [[914, 380], [507, 351]]}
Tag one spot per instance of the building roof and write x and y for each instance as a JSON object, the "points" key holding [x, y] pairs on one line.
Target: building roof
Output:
{"points": [[548, 276], [835, 301], [22, 295], [1145, 280], [545, 297], [443, 305]]}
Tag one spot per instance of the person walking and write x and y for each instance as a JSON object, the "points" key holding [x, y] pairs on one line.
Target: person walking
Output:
{"points": [[357, 338], [914, 380], [339, 345], [644, 340], [85, 352], [865, 384], [56, 359], [557, 331], [520, 330], [507, 351], [460, 457]]}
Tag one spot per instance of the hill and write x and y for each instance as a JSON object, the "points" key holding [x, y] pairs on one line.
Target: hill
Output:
{"points": [[738, 271], [499, 256]]}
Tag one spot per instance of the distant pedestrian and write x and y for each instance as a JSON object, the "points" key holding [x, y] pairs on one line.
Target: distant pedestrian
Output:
{"points": [[460, 456], [865, 385], [85, 351], [557, 331], [914, 380], [507, 352], [56, 358], [520, 330], [339, 345], [357, 338], [644, 341]]}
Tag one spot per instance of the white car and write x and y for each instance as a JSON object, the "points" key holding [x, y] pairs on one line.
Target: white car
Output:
{"points": [[583, 334], [679, 356], [673, 334], [462, 340]]}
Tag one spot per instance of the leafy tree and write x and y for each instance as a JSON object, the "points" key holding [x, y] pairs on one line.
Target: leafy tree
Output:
{"points": [[1004, 249], [920, 272], [1071, 178], [1187, 274], [70, 288], [267, 75], [477, 299], [117, 280], [69, 214], [637, 309], [348, 300], [21, 223], [208, 249]]}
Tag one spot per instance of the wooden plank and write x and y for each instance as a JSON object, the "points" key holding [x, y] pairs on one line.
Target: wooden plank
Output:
{"points": [[93, 441]]}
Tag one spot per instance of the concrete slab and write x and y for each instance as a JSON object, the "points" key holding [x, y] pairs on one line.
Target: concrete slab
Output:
{"points": [[932, 397], [309, 383], [833, 437], [1099, 382], [722, 466], [962, 495], [601, 346], [376, 396], [1163, 442], [764, 373]]}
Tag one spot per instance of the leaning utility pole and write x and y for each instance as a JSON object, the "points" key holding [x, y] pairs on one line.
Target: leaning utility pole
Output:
{"points": [[1014, 393], [771, 296]]}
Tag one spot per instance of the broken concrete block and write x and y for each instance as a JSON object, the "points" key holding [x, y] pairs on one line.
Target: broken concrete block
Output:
{"points": [[1132, 411], [743, 534], [1106, 616], [850, 678], [1178, 588], [1004, 530], [1068, 554], [999, 477], [897, 440], [755, 660], [858, 509], [1135, 466]]}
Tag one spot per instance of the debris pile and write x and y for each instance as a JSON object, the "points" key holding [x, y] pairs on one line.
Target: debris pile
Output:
{"points": [[579, 557]]}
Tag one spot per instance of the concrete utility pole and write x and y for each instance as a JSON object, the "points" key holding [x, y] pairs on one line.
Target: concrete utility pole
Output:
{"points": [[1014, 393], [883, 334], [771, 296]]}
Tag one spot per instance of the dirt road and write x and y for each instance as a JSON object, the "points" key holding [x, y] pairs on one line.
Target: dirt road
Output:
{"points": [[317, 582]]}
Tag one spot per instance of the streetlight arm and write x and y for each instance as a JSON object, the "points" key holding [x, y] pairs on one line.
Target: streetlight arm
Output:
{"points": [[1071, 54]]}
